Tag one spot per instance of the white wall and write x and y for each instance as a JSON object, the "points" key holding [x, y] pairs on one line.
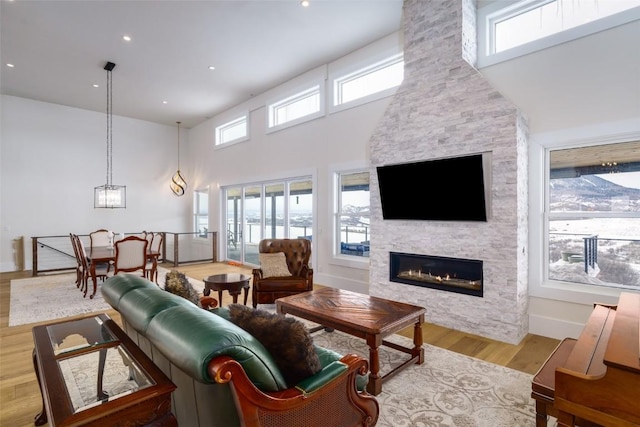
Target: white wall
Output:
{"points": [[313, 148], [53, 156]]}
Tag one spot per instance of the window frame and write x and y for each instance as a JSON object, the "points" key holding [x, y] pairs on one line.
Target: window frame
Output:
{"points": [[197, 194], [496, 12], [539, 166], [346, 76], [338, 258], [218, 131], [291, 97]]}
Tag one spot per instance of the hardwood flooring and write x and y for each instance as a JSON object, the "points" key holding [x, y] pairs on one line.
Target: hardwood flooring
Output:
{"points": [[20, 397]]}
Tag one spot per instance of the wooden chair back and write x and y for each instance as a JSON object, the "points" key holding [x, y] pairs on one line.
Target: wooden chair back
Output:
{"points": [[131, 255], [101, 237]]}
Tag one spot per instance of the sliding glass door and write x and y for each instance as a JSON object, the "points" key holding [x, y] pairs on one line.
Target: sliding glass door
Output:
{"points": [[279, 209]]}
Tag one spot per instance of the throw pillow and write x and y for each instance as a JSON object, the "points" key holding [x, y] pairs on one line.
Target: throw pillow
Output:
{"points": [[178, 284], [284, 337], [274, 265]]}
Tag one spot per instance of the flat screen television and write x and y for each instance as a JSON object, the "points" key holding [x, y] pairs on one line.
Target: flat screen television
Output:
{"points": [[448, 189]]}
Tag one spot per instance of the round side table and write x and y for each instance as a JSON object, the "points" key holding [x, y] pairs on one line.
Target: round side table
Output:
{"points": [[234, 283]]}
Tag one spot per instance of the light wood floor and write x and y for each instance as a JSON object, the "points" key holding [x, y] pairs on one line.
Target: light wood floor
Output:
{"points": [[20, 397]]}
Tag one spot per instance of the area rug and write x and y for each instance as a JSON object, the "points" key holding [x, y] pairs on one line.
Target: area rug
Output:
{"points": [[55, 296], [448, 389]]}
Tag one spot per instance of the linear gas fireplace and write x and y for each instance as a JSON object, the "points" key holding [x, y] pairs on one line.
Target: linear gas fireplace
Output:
{"points": [[463, 276]]}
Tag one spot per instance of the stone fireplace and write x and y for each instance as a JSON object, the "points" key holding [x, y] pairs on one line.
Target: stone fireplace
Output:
{"points": [[445, 108], [463, 276]]}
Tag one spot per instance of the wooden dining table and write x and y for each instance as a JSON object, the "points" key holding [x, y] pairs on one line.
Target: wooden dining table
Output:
{"points": [[107, 254]]}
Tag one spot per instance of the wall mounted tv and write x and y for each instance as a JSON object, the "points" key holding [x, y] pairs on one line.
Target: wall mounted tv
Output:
{"points": [[447, 189]]}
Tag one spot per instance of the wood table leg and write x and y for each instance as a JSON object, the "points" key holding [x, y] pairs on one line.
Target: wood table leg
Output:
{"points": [[418, 350], [374, 386], [234, 295], [41, 418]]}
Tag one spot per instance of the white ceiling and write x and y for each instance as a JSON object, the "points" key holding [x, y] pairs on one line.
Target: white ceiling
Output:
{"points": [[59, 49]]}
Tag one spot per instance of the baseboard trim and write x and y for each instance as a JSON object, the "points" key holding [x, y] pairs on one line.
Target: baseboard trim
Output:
{"points": [[554, 327]]}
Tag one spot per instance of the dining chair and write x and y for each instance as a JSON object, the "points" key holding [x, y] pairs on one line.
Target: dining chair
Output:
{"points": [[151, 269], [131, 255], [101, 237], [79, 268], [102, 270]]}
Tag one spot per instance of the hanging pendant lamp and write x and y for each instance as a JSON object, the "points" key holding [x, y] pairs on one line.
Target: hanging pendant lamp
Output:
{"points": [[109, 195], [178, 184]]}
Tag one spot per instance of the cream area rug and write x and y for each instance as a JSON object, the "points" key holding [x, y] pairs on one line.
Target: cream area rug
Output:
{"points": [[448, 389], [55, 296]]}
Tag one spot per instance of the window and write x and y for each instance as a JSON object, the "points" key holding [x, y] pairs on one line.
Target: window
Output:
{"points": [[375, 78], [352, 214], [201, 213], [593, 215], [305, 104], [233, 131], [507, 32], [532, 20], [278, 209]]}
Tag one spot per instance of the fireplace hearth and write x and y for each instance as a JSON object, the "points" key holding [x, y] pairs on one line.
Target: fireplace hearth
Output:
{"points": [[459, 275]]}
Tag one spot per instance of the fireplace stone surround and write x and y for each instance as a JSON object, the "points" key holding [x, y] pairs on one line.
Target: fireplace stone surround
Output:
{"points": [[444, 107]]}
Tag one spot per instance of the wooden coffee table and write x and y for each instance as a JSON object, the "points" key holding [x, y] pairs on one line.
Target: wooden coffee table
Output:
{"points": [[234, 283], [363, 316]]}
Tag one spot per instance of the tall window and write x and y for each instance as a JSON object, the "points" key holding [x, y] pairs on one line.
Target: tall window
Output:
{"points": [[375, 78], [233, 131], [305, 104], [201, 213], [593, 215], [352, 214]]}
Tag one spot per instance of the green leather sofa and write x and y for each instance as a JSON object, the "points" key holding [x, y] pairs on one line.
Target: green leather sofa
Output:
{"points": [[224, 376]]}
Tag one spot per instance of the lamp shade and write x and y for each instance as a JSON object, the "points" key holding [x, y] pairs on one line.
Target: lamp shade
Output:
{"points": [[178, 184], [110, 196]]}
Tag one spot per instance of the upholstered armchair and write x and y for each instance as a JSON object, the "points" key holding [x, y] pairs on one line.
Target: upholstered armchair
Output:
{"points": [[284, 270]]}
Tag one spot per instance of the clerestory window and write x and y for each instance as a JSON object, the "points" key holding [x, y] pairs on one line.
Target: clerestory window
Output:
{"points": [[233, 131], [362, 84], [301, 106], [505, 32]]}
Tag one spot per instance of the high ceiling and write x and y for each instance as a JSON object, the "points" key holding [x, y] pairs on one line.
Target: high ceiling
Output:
{"points": [[59, 49]]}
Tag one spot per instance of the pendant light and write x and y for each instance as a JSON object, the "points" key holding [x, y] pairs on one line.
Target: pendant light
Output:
{"points": [[178, 184], [109, 195]]}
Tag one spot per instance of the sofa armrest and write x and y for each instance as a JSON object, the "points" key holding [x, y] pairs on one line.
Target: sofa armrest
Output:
{"points": [[328, 373], [336, 402]]}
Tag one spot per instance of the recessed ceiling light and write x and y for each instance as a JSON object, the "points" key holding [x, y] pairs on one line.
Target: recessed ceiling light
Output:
{"points": [[96, 85], [304, 3], [211, 67], [165, 102], [10, 65], [126, 38]]}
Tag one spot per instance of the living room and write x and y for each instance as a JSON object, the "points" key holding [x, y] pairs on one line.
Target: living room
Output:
{"points": [[41, 143]]}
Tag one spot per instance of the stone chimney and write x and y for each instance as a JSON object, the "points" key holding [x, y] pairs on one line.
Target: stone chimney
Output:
{"points": [[445, 108]]}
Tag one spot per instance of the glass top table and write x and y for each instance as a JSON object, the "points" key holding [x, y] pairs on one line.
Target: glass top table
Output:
{"points": [[89, 369]]}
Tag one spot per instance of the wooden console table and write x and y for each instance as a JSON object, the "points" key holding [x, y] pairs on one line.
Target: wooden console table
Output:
{"points": [[91, 373]]}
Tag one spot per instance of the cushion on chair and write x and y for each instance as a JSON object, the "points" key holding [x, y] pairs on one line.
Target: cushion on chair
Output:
{"points": [[274, 265], [286, 339]]}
